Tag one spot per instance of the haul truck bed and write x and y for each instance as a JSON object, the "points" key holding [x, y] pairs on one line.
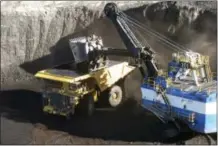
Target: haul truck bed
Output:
{"points": [[64, 90]]}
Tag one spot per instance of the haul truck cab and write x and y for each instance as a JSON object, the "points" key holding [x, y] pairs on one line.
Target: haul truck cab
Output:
{"points": [[66, 90]]}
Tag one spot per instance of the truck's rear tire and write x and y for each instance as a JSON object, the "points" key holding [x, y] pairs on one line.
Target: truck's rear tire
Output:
{"points": [[132, 96], [86, 106], [115, 96]]}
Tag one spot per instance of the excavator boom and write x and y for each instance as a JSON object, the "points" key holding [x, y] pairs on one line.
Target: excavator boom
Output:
{"points": [[143, 54]]}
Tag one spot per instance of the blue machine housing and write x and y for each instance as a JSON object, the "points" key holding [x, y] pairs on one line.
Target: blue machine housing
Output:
{"points": [[173, 68], [195, 108]]}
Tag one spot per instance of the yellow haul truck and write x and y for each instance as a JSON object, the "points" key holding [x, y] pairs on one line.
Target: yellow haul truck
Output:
{"points": [[68, 90]]}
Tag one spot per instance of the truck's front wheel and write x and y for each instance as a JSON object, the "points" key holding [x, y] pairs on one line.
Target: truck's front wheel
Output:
{"points": [[86, 106], [115, 96]]}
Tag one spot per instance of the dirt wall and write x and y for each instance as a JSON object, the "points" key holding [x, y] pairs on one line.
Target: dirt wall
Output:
{"points": [[35, 36]]}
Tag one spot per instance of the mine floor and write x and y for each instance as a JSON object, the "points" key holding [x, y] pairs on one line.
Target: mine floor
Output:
{"points": [[23, 123]]}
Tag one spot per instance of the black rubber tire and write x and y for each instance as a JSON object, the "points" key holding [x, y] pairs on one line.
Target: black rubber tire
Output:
{"points": [[86, 106], [132, 97], [131, 91], [119, 92]]}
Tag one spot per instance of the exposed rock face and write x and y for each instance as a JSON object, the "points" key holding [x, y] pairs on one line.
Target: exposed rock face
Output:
{"points": [[30, 29], [34, 35]]}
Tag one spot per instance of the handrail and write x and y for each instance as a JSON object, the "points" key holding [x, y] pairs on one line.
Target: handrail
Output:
{"points": [[150, 81]]}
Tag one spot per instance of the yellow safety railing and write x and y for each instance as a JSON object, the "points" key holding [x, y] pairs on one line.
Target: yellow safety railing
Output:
{"points": [[209, 89], [163, 73], [150, 81]]}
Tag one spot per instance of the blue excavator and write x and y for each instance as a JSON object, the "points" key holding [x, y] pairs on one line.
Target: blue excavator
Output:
{"points": [[185, 94]]}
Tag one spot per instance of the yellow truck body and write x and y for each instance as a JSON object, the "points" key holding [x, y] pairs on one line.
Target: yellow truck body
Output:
{"points": [[75, 85]]}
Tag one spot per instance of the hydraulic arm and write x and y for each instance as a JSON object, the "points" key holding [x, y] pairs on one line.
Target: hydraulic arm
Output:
{"points": [[142, 54]]}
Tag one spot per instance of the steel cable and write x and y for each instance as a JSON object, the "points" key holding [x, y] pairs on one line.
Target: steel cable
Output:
{"points": [[152, 32], [171, 47], [162, 39], [130, 19]]}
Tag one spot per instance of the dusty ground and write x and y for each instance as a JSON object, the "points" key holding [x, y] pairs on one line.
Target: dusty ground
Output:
{"points": [[23, 123]]}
